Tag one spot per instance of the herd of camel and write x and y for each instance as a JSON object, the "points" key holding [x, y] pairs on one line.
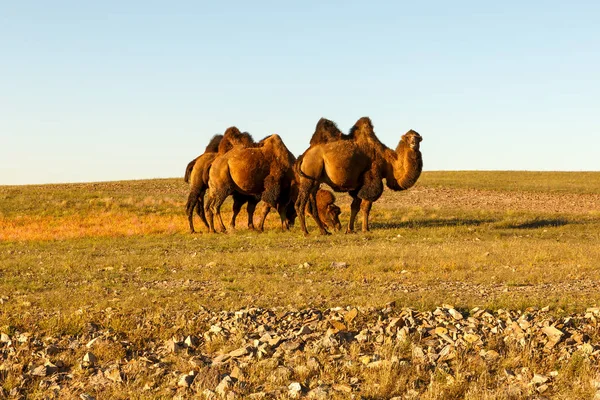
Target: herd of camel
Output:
{"points": [[357, 163]]}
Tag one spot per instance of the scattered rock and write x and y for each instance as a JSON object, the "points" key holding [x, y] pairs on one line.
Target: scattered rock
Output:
{"points": [[113, 373], [186, 380], [224, 386], [338, 264], [89, 360], [295, 390]]}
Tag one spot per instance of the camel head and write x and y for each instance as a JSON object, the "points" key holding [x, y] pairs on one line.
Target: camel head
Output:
{"points": [[331, 219], [412, 139]]}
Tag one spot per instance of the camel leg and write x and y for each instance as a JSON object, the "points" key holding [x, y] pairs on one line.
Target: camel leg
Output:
{"points": [[200, 208], [213, 205], [307, 190], [354, 207], [208, 211], [189, 207], [312, 205], [365, 207], [250, 210], [300, 205], [263, 216], [238, 202], [220, 217], [282, 215]]}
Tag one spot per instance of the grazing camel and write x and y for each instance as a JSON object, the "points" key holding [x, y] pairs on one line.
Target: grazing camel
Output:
{"points": [[329, 212], [263, 170], [197, 176], [355, 163]]}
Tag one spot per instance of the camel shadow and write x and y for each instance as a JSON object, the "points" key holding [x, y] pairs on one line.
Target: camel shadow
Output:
{"points": [[539, 223], [431, 223]]}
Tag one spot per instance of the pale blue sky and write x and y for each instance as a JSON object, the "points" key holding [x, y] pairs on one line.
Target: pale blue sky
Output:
{"points": [[110, 90]]}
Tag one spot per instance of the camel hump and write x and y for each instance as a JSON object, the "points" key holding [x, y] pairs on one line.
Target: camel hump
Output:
{"points": [[233, 137], [363, 129], [213, 145], [326, 131], [273, 140]]}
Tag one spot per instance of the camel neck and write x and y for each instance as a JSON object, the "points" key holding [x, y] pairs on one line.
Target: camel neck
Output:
{"points": [[404, 167]]}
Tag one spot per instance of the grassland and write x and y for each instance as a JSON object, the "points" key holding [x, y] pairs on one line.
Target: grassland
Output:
{"points": [[491, 240]]}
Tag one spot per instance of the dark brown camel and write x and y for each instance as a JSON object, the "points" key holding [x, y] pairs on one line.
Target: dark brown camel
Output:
{"points": [[264, 170], [355, 163], [329, 212], [198, 177]]}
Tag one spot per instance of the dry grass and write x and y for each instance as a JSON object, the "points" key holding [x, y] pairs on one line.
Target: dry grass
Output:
{"points": [[69, 253]]}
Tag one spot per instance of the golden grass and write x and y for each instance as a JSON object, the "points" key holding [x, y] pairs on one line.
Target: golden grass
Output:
{"points": [[118, 254]]}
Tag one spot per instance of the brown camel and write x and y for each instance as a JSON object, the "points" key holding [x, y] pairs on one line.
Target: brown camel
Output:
{"points": [[198, 177], [355, 163], [329, 212], [264, 170], [212, 147]]}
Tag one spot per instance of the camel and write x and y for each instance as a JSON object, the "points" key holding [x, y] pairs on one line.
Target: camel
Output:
{"points": [[212, 147], [197, 175], [329, 212], [262, 171], [355, 163]]}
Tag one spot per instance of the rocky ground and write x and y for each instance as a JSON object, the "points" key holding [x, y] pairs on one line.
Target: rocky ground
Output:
{"points": [[318, 354]]}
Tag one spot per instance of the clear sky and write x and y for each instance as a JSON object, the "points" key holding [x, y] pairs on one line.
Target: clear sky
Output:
{"points": [[112, 90]]}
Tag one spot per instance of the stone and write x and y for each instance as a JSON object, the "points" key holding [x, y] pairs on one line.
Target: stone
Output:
{"points": [[89, 360], [305, 330], [52, 350], [455, 314], [191, 341], [224, 386], [539, 379], [113, 373], [242, 351], [173, 346], [319, 393], [295, 390], [351, 315], [40, 371], [186, 380], [554, 335], [339, 326], [471, 338], [338, 264]]}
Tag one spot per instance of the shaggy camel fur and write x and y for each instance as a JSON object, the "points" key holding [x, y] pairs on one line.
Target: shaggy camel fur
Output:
{"points": [[264, 170], [356, 163], [198, 177], [329, 212]]}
